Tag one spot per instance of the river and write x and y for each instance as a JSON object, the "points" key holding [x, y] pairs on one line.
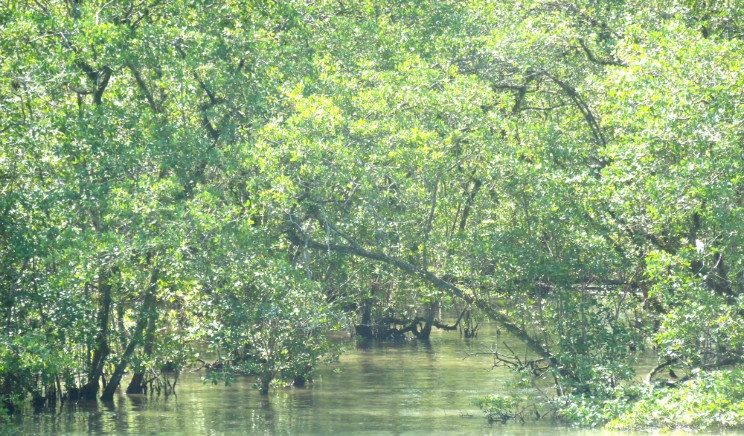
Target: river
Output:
{"points": [[378, 388]]}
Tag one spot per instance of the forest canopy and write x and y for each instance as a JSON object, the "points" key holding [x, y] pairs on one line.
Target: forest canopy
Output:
{"points": [[250, 175]]}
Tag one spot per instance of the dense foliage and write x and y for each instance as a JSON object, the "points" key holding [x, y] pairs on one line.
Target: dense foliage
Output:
{"points": [[248, 175]]}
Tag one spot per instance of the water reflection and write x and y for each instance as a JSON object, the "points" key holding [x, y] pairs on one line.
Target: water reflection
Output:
{"points": [[378, 388]]}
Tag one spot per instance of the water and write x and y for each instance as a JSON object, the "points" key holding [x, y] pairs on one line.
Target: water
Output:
{"points": [[379, 388]]}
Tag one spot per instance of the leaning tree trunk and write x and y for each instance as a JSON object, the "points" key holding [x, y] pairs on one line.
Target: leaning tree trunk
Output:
{"points": [[148, 311]]}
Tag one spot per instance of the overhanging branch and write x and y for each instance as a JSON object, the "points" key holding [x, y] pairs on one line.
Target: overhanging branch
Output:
{"points": [[299, 237]]}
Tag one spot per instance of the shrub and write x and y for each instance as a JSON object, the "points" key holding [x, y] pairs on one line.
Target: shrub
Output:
{"points": [[710, 400]]}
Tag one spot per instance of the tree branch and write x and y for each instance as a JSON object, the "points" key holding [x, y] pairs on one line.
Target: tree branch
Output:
{"points": [[143, 87], [591, 57], [591, 120], [297, 236]]}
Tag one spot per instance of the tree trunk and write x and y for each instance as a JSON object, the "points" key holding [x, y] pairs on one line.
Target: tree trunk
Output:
{"points": [[425, 332], [148, 311], [135, 385], [89, 391], [365, 329]]}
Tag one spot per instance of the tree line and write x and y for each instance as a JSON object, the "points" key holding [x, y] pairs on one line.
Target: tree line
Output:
{"points": [[248, 175]]}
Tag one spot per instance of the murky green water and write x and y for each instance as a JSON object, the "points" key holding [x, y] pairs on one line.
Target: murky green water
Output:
{"points": [[401, 388]]}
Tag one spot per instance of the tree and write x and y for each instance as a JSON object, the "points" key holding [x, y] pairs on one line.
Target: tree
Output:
{"points": [[246, 174]]}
